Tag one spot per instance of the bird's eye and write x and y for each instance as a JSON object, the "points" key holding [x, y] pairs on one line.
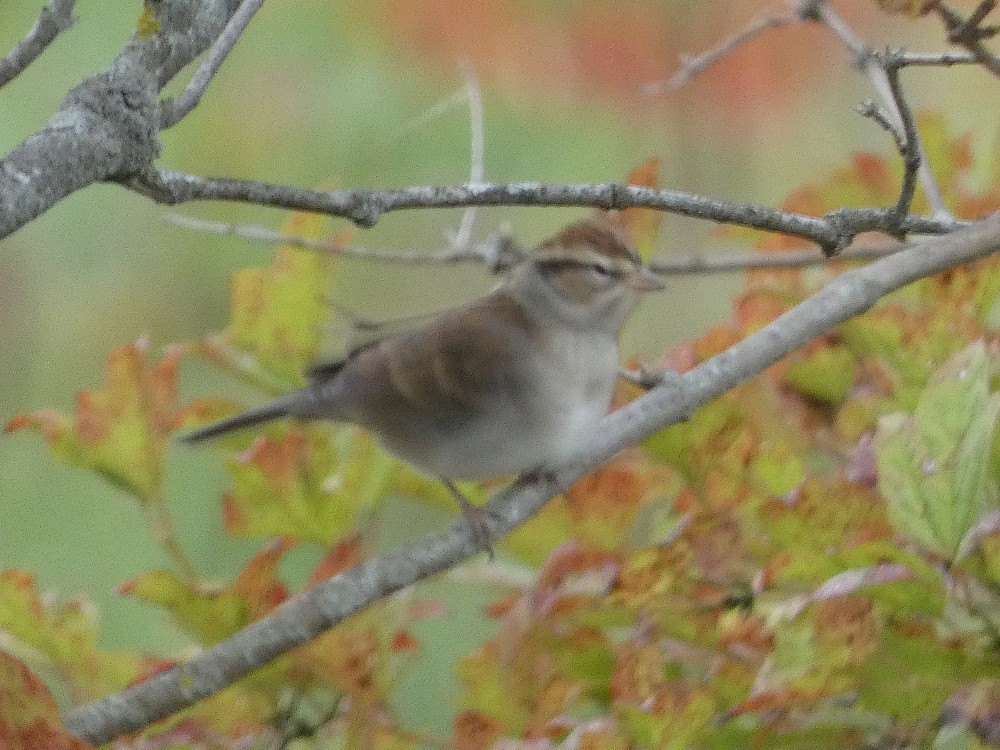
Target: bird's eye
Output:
{"points": [[600, 274]]}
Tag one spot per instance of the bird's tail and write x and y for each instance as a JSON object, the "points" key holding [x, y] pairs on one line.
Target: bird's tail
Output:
{"points": [[265, 413]]}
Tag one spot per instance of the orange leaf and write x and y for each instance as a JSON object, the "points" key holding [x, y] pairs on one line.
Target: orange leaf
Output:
{"points": [[404, 640]]}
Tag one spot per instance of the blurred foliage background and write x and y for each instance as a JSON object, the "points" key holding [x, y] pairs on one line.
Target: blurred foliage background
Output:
{"points": [[337, 92]]}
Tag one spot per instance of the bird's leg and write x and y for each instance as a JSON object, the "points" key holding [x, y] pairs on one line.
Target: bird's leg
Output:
{"points": [[476, 516]]}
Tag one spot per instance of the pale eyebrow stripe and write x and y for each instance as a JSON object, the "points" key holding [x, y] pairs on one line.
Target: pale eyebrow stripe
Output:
{"points": [[585, 258]]}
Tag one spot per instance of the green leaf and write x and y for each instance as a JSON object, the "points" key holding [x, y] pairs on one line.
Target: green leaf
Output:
{"points": [[825, 375], [212, 614], [778, 469], [933, 464]]}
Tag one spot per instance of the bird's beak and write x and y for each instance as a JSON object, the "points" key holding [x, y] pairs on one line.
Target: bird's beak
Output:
{"points": [[644, 280]]}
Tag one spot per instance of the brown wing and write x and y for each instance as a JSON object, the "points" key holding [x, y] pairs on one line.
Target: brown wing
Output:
{"points": [[466, 360]]}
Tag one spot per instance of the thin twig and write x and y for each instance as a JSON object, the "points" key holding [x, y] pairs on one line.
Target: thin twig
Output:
{"points": [[56, 16], [323, 605], [868, 62], [930, 59], [732, 262], [669, 266], [908, 148], [880, 117], [863, 56], [258, 233], [832, 232], [477, 158], [174, 110], [969, 34], [693, 65], [455, 99]]}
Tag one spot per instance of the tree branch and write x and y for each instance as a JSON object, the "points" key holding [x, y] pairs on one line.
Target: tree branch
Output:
{"points": [[872, 66], [174, 110], [908, 140], [934, 59], [832, 232], [322, 606], [477, 153], [107, 127], [56, 17]]}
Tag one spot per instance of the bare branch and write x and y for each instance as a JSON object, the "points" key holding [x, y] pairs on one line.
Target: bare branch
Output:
{"points": [[173, 111], [863, 57], [880, 117], [832, 232], [499, 252], [731, 262], [868, 62], [692, 66], [56, 17], [930, 59], [969, 34], [908, 145], [477, 154], [322, 606], [107, 127], [457, 98], [258, 233]]}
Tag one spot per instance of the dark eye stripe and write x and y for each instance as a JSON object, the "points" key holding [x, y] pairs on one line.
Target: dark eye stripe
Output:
{"points": [[555, 265]]}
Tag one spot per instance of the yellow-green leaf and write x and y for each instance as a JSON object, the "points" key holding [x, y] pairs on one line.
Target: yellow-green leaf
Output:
{"points": [[826, 374], [643, 224], [312, 484], [278, 312], [121, 430]]}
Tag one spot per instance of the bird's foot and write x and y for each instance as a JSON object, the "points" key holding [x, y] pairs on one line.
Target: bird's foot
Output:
{"points": [[477, 516]]}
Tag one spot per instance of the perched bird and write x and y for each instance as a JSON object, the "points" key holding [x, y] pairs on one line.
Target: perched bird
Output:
{"points": [[508, 383]]}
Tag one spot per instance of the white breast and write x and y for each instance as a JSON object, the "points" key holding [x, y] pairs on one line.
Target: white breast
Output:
{"points": [[579, 395], [569, 395]]}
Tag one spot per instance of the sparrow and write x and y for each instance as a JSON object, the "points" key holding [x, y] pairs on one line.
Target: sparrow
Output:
{"points": [[507, 384]]}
